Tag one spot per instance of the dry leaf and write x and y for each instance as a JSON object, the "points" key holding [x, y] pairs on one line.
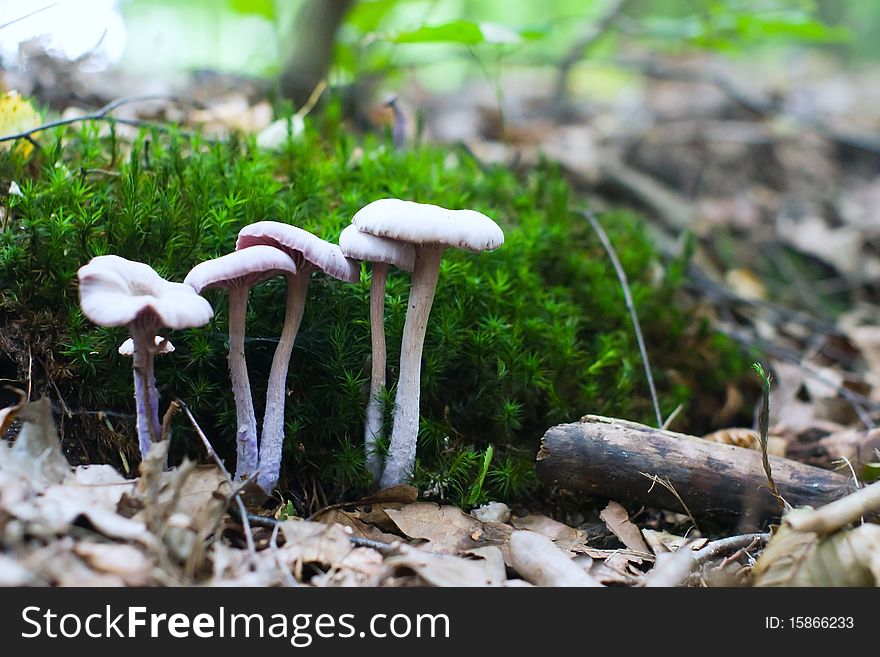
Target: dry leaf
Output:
{"points": [[616, 569], [8, 414], [566, 538], [448, 529], [360, 567], [358, 527], [17, 115], [618, 522], [492, 512], [660, 541], [313, 542], [846, 558], [747, 438], [443, 569], [126, 561], [36, 453], [12, 573]]}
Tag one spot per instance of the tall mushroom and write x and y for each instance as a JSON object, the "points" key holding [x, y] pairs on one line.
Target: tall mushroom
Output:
{"points": [[114, 291], [310, 253], [237, 273], [381, 252], [430, 229]]}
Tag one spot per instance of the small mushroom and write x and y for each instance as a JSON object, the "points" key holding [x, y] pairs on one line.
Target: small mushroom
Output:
{"points": [[381, 252], [310, 253], [430, 229], [163, 346], [238, 272], [114, 291]]}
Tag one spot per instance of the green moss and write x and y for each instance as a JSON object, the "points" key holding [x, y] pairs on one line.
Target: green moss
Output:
{"points": [[533, 334]]}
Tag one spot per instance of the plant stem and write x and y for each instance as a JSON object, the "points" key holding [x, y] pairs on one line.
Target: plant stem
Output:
{"points": [[404, 437], [273, 418], [146, 396], [246, 433], [373, 424]]}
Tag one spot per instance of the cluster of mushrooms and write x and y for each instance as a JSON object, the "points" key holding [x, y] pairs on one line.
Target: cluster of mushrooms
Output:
{"points": [[411, 236]]}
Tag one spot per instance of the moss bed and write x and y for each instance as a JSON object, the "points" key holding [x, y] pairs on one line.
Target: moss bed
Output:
{"points": [[533, 334]]}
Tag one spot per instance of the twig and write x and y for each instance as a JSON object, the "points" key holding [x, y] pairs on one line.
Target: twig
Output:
{"points": [[624, 284], [725, 546], [276, 554], [173, 408], [235, 493], [668, 486], [379, 546], [313, 99], [671, 418], [33, 13], [102, 114]]}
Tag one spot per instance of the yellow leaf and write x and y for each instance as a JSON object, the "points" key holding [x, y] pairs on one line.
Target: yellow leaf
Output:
{"points": [[17, 115]]}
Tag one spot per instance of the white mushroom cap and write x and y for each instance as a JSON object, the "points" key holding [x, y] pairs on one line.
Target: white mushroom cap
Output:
{"points": [[363, 246], [164, 344], [114, 291], [424, 224], [301, 245], [246, 267]]}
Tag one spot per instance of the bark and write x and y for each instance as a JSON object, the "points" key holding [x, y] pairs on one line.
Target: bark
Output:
{"points": [[311, 54], [373, 423], [272, 439], [611, 457], [404, 436]]}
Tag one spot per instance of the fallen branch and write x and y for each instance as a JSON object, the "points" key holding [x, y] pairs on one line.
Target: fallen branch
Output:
{"points": [[839, 513], [607, 457]]}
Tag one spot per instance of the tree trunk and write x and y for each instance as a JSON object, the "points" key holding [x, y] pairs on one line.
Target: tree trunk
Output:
{"points": [[618, 459], [311, 51]]}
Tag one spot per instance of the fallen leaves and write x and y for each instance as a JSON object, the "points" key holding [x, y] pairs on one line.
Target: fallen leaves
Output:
{"points": [[617, 519], [90, 526]]}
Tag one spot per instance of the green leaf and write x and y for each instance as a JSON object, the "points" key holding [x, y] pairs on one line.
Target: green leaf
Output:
{"points": [[465, 32], [264, 8]]}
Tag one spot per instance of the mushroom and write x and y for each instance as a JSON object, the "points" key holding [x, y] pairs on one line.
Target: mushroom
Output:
{"points": [[310, 253], [163, 346], [114, 291], [430, 229], [381, 252], [237, 273]]}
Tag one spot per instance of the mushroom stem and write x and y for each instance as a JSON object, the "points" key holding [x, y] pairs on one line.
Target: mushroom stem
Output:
{"points": [[404, 436], [273, 419], [246, 419], [373, 424], [145, 394]]}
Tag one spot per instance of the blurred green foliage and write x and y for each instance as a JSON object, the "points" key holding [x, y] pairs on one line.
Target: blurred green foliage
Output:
{"points": [[530, 335], [439, 40]]}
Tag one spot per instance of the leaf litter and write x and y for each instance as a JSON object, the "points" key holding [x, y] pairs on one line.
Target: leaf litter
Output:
{"points": [[90, 526]]}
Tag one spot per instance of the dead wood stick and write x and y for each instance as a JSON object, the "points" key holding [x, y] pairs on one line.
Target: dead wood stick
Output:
{"points": [[839, 513], [611, 457]]}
